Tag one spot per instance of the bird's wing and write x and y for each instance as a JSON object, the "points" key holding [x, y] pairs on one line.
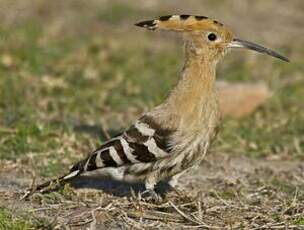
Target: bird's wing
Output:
{"points": [[144, 141]]}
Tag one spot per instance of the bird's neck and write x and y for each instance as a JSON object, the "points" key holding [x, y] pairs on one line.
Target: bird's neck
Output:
{"points": [[192, 104], [197, 80], [194, 99]]}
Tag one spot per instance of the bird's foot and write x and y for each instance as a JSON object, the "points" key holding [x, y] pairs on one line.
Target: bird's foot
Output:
{"points": [[150, 194]]}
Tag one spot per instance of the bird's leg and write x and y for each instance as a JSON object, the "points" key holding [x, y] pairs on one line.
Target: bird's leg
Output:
{"points": [[173, 181], [152, 195], [150, 183]]}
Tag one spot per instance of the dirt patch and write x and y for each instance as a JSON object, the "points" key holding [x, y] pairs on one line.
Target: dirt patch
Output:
{"points": [[225, 192]]}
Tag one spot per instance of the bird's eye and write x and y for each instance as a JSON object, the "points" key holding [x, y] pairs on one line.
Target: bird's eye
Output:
{"points": [[212, 37]]}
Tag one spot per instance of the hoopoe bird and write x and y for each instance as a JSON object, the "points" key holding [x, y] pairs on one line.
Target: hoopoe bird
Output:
{"points": [[175, 135]]}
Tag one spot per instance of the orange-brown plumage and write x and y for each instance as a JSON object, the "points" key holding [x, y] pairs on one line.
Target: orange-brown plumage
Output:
{"points": [[177, 134]]}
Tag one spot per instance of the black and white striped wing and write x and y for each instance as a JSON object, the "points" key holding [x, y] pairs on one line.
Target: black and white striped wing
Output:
{"points": [[145, 141]]}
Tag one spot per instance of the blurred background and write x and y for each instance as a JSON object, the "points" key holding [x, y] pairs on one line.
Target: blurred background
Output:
{"points": [[73, 70]]}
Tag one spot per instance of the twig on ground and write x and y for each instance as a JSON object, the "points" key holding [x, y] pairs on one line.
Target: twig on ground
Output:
{"points": [[184, 215], [94, 221], [32, 187], [220, 198]]}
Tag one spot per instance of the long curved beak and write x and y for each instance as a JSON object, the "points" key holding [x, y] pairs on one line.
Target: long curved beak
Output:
{"points": [[238, 43]]}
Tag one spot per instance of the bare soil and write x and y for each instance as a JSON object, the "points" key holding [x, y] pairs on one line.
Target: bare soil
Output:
{"points": [[233, 192]]}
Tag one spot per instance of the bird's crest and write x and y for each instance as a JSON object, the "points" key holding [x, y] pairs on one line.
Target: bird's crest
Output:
{"points": [[180, 23]]}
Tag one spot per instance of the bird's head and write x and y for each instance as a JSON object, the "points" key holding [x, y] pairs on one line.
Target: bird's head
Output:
{"points": [[204, 36]]}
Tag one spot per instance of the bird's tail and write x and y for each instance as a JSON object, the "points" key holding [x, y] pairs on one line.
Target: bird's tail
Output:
{"points": [[52, 185]]}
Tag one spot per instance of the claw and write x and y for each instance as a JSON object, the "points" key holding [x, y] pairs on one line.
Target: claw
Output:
{"points": [[150, 194]]}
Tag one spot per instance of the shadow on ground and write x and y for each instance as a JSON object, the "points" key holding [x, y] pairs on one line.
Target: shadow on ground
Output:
{"points": [[117, 188]]}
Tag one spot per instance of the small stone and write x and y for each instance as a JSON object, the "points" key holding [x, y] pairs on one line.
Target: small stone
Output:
{"points": [[239, 100]]}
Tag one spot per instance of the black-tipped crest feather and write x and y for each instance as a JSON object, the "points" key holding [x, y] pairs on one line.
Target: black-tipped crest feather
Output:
{"points": [[149, 24]]}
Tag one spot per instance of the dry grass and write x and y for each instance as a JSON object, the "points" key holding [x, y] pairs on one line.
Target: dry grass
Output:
{"points": [[225, 192]]}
